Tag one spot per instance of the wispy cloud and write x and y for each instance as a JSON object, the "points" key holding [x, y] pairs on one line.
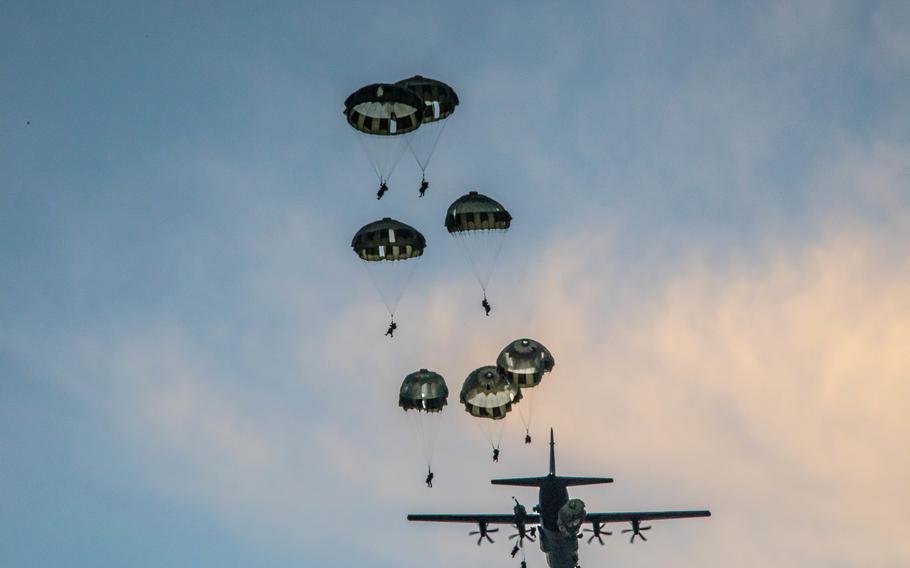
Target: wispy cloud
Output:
{"points": [[711, 212]]}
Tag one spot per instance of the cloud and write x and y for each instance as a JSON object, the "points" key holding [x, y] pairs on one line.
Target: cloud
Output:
{"points": [[765, 382], [711, 228], [768, 384]]}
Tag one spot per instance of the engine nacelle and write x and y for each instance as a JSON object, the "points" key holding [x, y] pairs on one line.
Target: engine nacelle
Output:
{"points": [[571, 517]]}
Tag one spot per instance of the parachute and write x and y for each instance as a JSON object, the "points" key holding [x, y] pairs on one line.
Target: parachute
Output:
{"points": [[571, 516], [479, 223], [422, 395], [523, 362], [439, 101], [390, 250], [488, 395], [384, 115]]}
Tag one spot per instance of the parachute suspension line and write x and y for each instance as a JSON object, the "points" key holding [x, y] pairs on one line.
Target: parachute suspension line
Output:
{"points": [[432, 433], [498, 432], [482, 273], [419, 427], [426, 137], [502, 240], [366, 150], [467, 253], [502, 429], [407, 279], [526, 409], [390, 298], [482, 430], [382, 293], [492, 432], [383, 152], [427, 426]]}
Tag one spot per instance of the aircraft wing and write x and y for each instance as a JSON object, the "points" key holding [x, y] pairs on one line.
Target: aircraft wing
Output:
{"points": [[643, 516], [489, 519]]}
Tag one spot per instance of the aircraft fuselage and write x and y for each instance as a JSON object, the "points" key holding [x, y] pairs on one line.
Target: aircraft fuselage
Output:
{"points": [[561, 548]]}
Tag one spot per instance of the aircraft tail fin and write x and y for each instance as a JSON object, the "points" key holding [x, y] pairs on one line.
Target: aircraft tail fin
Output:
{"points": [[552, 454], [538, 481]]}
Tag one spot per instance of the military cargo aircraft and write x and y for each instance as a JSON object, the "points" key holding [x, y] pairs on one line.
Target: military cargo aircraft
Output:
{"points": [[556, 518]]}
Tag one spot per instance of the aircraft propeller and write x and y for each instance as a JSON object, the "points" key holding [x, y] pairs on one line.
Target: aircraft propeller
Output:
{"points": [[528, 535], [636, 530], [597, 533], [483, 531]]}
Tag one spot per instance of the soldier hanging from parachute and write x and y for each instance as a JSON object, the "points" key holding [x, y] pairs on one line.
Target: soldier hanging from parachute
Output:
{"points": [[489, 396], [524, 362], [390, 250], [439, 101], [422, 395], [384, 116], [479, 224]]}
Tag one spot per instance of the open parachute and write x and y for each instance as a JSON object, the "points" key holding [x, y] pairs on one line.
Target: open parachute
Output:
{"points": [[524, 362], [423, 395], [479, 224], [390, 250], [384, 115], [489, 396], [439, 102]]}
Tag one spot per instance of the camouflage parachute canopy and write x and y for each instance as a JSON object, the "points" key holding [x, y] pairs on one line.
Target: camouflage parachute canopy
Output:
{"points": [[488, 394], [388, 239], [423, 390], [524, 362], [476, 212], [434, 94], [384, 109]]}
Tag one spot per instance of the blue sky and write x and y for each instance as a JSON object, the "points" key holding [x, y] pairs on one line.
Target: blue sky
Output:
{"points": [[711, 215]]}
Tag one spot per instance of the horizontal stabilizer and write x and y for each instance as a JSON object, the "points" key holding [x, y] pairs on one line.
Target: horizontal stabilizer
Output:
{"points": [[521, 481], [538, 481], [486, 519], [572, 481]]}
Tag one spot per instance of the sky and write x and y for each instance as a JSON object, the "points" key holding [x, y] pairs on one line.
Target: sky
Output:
{"points": [[711, 209]]}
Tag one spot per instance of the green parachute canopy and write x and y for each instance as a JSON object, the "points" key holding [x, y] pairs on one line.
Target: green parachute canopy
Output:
{"points": [[476, 212], [422, 396], [384, 109], [438, 98], [524, 362], [423, 390], [487, 394], [388, 240], [479, 224], [390, 250], [439, 102], [384, 115]]}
